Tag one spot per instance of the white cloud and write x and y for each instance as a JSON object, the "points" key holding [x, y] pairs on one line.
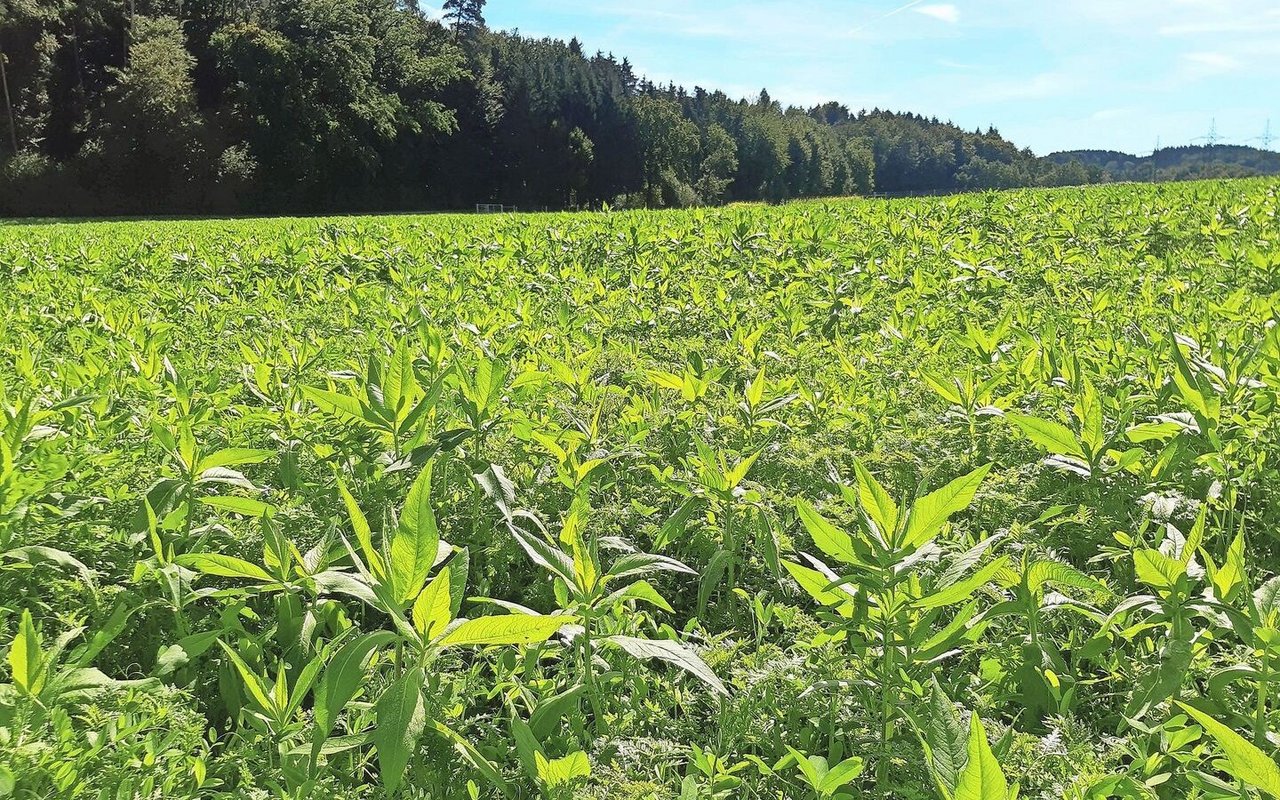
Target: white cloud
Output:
{"points": [[940, 11], [1209, 63]]}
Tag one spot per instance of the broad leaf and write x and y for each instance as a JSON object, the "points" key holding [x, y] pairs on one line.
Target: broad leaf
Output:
{"points": [[431, 610], [672, 653], [1055, 437], [981, 778], [1246, 762], [415, 546], [931, 512], [401, 719], [875, 500], [343, 678], [829, 539], [224, 566], [24, 656], [509, 629]]}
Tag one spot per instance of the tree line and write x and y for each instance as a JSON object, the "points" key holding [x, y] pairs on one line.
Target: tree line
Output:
{"points": [[273, 106]]}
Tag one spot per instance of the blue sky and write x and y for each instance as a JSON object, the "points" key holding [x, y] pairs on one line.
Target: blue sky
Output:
{"points": [[1051, 75]]}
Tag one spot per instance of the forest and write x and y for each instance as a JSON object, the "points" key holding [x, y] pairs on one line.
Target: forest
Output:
{"points": [[119, 107], [164, 107]]}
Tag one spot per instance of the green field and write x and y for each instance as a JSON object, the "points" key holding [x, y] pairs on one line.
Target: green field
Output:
{"points": [[965, 498]]}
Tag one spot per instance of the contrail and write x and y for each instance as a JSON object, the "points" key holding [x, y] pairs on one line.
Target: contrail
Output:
{"points": [[892, 13]]}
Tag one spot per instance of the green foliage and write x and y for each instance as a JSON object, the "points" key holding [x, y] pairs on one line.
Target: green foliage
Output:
{"points": [[115, 107], [951, 498]]}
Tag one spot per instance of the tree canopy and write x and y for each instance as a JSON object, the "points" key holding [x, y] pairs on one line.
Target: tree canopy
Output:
{"points": [[275, 106]]}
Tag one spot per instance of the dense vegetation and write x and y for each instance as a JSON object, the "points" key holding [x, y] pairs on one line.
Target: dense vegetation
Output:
{"points": [[167, 107], [1177, 163], [909, 499]]}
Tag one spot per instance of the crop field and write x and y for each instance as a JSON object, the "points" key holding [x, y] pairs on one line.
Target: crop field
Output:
{"points": [[967, 498]]}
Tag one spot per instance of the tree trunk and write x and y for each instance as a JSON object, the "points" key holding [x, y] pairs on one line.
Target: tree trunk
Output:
{"points": [[8, 102]]}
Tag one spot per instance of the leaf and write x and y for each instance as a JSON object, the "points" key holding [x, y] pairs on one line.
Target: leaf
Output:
{"points": [[24, 656], [399, 381], [224, 566], [364, 535], [1157, 570], [1247, 763], [401, 719], [1193, 390], [35, 554], [1052, 436], [1153, 431], [549, 712], [342, 679], [959, 592], [1089, 411], [667, 380], [981, 778], [232, 457], [931, 512], [561, 771], [841, 774], [641, 563], [815, 583], [509, 629], [1228, 579], [431, 610], [1060, 574], [1164, 681], [239, 505], [829, 539], [414, 548], [814, 768], [1267, 598], [226, 477], [947, 390], [473, 757], [672, 653], [876, 502], [251, 680], [640, 590], [341, 406], [945, 739], [546, 555], [333, 581]]}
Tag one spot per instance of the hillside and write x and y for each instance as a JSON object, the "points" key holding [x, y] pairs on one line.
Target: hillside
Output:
{"points": [[1177, 163]]}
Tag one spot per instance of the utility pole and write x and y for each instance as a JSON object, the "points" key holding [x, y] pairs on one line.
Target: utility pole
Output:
{"points": [[1212, 138], [1267, 138]]}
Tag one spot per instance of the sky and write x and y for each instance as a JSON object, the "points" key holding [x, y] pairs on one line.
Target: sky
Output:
{"points": [[1049, 74]]}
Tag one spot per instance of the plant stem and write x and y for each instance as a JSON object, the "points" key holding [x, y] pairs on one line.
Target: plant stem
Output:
{"points": [[588, 674], [1260, 712]]}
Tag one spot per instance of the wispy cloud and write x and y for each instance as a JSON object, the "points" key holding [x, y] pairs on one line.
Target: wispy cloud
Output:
{"points": [[1209, 63], [1264, 22], [895, 12], [940, 11]]}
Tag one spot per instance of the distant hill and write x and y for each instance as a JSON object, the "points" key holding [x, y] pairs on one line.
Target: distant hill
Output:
{"points": [[1177, 163]]}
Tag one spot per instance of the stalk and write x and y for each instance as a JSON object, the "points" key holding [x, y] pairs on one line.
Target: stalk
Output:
{"points": [[886, 702], [588, 673], [1260, 712]]}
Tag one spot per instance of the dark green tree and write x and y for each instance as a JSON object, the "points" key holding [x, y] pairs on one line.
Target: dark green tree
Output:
{"points": [[466, 16]]}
